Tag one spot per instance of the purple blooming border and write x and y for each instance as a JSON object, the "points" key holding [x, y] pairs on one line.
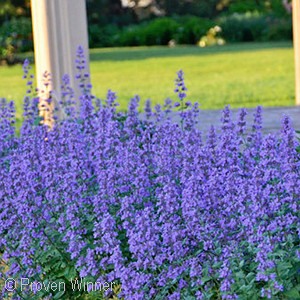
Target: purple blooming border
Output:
{"points": [[156, 206]]}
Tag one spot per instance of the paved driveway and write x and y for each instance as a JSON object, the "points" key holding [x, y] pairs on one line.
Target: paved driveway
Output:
{"points": [[272, 117]]}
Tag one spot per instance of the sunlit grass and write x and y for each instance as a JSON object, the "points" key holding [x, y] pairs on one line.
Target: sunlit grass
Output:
{"points": [[214, 77], [240, 75]]}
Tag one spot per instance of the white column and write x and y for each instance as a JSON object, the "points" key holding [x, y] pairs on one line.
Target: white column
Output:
{"points": [[59, 27], [296, 31]]}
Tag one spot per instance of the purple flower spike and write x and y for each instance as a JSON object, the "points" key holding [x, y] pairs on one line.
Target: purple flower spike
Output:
{"points": [[180, 88]]}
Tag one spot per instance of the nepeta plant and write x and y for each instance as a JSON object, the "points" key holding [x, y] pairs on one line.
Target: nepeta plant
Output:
{"points": [[165, 211]]}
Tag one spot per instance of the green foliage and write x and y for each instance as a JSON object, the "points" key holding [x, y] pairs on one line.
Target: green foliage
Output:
{"points": [[108, 12], [131, 36], [244, 6], [277, 8], [157, 32], [13, 8], [273, 7], [111, 25], [192, 29], [184, 30], [287, 273], [205, 9], [279, 29], [254, 26], [160, 31], [243, 27], [15, 37], [103, 36]]}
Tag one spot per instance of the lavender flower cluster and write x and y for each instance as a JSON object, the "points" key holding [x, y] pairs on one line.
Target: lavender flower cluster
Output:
{"points": [[164, 210]]}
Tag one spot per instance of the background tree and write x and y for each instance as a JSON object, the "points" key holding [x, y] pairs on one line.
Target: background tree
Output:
{"points": [[15, 29], [14, 8], [114, 22]]}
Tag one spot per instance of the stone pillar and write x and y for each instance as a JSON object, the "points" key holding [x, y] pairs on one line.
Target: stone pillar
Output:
{"points": [[59, 27], [296, 31]]}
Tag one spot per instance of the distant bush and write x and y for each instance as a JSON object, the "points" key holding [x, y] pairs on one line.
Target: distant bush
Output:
{"points": [[275, 7], [131, 36], [250, 27], [243, 27], [156, 32], [16, 34], [160, 31], [15, 37], [192, 29], [20, 31], [279, 29], [103, 36], [183, 30]]}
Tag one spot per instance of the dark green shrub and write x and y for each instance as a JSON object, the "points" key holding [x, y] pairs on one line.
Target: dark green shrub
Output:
{"points": [[131, 36], [255, 27], [245, 6], [18, 33], [274, 7], [15, 37], [192, 29], [103, 36], [280, 29], [243, 27], [184, 30], [160, 31], [156, 32]]}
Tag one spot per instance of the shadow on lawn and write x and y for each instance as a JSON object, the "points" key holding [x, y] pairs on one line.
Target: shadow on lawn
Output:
{"points": [[140, 53]]}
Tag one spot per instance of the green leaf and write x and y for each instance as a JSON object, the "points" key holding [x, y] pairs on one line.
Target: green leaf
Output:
{"points": [[240, 275], [250, 276], [282, 266], [70, 273], [59, 295], [241, 264], [217, 265], [37, 121], [205, 279], [292, 294]]}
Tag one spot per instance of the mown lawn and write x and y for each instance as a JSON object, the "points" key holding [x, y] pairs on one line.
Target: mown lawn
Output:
{"points": [[242, 75]]}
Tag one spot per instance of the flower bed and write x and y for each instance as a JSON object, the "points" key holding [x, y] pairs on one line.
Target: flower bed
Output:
{"points": [[151, 205]]}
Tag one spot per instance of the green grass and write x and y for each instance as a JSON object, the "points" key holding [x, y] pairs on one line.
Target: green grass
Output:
{"points": [[242, 75]]}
